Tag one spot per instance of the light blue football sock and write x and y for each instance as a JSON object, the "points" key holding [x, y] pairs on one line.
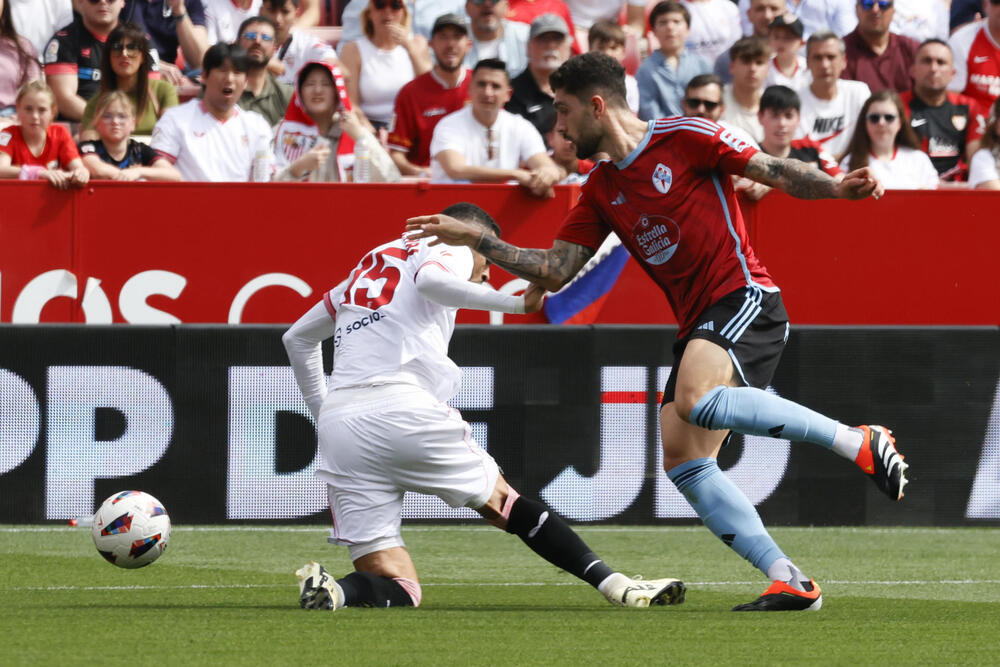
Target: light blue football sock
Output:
{"points": [[726, 511], [756, 412]]}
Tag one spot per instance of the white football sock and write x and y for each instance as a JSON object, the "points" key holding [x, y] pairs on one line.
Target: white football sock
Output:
{"points": [[847, 442]]}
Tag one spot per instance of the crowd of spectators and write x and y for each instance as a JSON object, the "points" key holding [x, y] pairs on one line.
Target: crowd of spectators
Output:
{"points": [[458, 90]]}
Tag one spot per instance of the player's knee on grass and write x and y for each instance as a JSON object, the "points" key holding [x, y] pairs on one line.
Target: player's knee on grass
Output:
{"points": [[364, 589]]}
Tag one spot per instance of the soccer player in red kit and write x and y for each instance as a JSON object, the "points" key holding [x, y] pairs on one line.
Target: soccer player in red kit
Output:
{"points": [[667, 194]]}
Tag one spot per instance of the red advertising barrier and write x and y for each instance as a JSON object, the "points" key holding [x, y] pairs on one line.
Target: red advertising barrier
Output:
{"points": [[199, 252]]}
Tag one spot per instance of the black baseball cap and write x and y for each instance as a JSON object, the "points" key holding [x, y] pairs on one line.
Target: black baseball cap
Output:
{"points": [[450, 19], [790, 21]]}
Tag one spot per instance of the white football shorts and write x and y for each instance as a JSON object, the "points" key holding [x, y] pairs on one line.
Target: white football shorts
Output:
{"points": [[378, 442]]}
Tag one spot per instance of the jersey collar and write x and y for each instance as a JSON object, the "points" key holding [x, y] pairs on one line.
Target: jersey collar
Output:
{"points": [[630, 158]]}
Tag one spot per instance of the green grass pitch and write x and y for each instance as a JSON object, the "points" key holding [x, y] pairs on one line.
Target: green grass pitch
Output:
{"points": [[227, 595]]}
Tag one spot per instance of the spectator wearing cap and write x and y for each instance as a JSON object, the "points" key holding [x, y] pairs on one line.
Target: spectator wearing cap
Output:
{"points": [[608, 37], [423, 102], [212, 139], [172, 26], [949, 124], [715, 26], [663, 75], [295, 47], [875, 55], [383, 60], [526, 11], [263, 93], [548, 48], [760, 13], [748, 64], [788, 67], [73, 56], [836, 16], [484, 143], [493, 36], [830, 105]]}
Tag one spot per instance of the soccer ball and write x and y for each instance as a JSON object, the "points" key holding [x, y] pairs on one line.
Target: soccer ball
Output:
{"points": [[131, 529]]}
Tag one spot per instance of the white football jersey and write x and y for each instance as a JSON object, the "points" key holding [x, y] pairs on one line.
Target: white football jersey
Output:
{"points": [[386, 331]]}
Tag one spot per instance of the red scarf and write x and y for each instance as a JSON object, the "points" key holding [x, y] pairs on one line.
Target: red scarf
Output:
{"points": [[296, 112]]}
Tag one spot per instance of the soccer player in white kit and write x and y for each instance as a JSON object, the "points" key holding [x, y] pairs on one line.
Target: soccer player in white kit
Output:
{"points": [[384, 427]]}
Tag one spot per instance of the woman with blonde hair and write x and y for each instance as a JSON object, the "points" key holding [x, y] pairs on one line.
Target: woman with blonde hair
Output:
{"points": [[383, 60], [984, 168], [126, 65], [884, 140]]}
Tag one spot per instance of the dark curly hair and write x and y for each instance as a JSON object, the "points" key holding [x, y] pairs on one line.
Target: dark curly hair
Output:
{"points": [[589, 74]]}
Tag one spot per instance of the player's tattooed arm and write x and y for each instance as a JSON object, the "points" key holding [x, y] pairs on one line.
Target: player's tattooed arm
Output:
{"points": [[792, 176], [806, 182], [550, 268]]}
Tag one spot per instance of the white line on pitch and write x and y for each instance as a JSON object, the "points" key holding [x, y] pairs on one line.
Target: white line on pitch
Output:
{"points": [[491, 585]]}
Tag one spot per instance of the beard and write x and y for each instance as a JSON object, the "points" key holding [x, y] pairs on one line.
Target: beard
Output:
{"points": [[586, 144]]}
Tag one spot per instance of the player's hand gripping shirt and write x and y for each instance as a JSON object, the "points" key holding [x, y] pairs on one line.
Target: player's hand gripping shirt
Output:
{"points": [[386, 331], [671, 203]]}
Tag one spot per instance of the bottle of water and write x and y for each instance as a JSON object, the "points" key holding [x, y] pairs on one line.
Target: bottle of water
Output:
{"points": [[362, 163]]}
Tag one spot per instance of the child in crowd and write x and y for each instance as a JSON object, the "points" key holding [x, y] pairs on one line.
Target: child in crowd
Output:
{"points": [[36, 148], [115, 155], [608, 38], [788, 66]]}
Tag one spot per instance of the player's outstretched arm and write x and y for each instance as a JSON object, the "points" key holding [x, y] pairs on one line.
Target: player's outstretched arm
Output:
{"points": [[550, 268], [806, 182]]}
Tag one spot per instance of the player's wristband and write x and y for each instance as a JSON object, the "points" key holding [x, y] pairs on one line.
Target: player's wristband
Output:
{"points": [[180, 17], [30, 172]]}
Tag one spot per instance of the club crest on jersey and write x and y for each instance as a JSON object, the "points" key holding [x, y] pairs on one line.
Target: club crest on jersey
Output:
{"points": [[662, 178], [959, 121], [656, 238]]}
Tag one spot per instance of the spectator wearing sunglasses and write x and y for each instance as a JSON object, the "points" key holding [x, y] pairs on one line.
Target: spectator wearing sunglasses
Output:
{"points": [[703, 97], [73, 56], [664, 74], [384, 59], [949, 124], [875, 55], [884, 141], [484, 143], [126, 65], [977, 57], [493, 36], [264, 93]]}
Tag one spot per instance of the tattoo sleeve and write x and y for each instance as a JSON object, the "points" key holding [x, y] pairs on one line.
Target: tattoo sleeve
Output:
{"points": [[550, 268], [792, 176]]}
